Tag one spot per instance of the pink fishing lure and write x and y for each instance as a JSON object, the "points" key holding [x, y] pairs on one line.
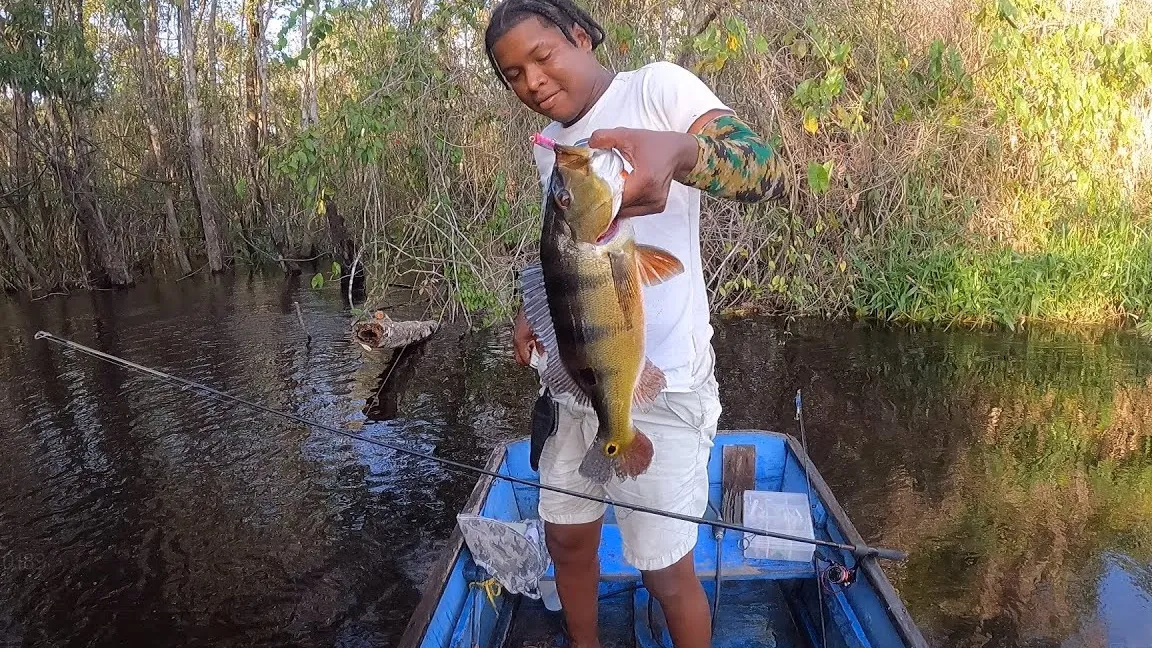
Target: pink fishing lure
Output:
{"points": [[540, 140]]}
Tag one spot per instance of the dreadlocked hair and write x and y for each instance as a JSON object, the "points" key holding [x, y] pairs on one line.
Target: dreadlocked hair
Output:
{"points": [[564, 14]]}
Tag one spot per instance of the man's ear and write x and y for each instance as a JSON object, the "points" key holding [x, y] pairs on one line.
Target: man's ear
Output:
{"points": [[583, 40]]}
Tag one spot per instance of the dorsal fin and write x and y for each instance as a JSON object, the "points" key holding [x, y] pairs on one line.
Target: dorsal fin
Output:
{"points": [[555, 375]]}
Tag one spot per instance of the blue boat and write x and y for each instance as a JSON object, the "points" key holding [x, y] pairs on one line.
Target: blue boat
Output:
{"points": [[836, 598]]}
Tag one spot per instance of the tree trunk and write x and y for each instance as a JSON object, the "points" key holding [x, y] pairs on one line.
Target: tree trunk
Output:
{"points": [[18, 199], [214, 102], [255, 128], [212, 235], [157, 138], [342, 246], [71, 160], [25, 119], [309, 111], [415, 12], [213, 76], [8, 229]]}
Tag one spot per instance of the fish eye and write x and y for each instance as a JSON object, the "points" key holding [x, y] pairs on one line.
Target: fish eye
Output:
{"points": [[611, 449], [563, 199]]}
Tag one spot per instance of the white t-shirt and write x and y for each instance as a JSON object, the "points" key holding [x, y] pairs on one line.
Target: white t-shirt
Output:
{"points": [[659, 96]]}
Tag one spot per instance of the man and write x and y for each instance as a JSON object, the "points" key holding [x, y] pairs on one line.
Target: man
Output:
{"points": [[680, 139]]}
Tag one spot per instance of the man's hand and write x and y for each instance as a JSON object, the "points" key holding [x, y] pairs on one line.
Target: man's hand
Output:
{"points": [[523, 340], [657, 158]]}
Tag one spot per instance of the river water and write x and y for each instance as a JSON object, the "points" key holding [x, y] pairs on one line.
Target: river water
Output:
{"points": [[1016, 469]]}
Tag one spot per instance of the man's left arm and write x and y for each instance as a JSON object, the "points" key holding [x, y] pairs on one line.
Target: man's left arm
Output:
{"points": [[733, 161], [703, 144]]}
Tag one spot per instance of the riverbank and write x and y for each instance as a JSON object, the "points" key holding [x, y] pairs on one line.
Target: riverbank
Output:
{"points": [[955, 161]]}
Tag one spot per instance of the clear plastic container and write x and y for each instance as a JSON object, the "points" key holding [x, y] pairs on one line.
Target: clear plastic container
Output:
{"points": [[787, 513]]}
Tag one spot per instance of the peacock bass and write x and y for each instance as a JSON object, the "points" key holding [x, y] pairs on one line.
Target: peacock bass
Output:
{"points": [[584, 305]]}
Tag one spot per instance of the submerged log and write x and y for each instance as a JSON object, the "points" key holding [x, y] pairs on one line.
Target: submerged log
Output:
{"points": [[382, 332]]}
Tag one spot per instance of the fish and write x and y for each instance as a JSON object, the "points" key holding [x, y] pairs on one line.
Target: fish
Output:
{"points": [[583, 303]]}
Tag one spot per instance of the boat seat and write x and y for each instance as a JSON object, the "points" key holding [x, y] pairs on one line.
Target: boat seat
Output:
{"points": [[734, 566]]}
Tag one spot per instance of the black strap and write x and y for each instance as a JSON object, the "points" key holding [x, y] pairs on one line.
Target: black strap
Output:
{"points": [[544, 421]]}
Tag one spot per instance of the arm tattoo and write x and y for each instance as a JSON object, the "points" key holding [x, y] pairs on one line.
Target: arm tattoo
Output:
{"points": [[734, 162]]}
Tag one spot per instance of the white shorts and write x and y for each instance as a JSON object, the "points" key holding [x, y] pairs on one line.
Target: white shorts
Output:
{"points": [[682, 427]]}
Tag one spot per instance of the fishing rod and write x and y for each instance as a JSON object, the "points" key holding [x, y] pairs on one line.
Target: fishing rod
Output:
{"points": [[860, 551]]}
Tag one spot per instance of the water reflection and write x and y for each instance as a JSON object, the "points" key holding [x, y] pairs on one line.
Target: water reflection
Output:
{"points": [[1008, 466], [1016, 469]]}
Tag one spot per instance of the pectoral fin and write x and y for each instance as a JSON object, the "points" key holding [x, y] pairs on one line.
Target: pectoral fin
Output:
{"points": [[656, 265]]}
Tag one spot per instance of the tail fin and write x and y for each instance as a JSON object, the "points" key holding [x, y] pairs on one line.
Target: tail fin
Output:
{"points": [[630, 461], [635, 459]]}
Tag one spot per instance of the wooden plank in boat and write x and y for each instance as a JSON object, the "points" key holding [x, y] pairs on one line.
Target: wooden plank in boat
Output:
{"points": [[738, 475]]}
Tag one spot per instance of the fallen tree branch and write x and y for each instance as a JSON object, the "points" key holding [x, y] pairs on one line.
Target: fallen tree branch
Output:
{"points": [[382, 332]]}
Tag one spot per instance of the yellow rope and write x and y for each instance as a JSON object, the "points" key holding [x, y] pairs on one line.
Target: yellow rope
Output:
{"points": [[491, 588]]}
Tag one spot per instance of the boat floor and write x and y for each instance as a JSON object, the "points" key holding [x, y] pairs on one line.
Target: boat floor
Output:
{"points": [[753, 614]]}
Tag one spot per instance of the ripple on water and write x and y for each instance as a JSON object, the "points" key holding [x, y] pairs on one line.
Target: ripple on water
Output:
{"points": [[132, 512]]}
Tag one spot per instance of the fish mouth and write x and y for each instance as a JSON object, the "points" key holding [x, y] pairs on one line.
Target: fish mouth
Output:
{"points": [[610, 233], [571, 157]]}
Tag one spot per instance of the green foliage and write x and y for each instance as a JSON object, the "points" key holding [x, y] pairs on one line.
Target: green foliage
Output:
{"points": [[318, 280], [726, 40], [941, 77], [1064, 90], [1014, 144], [43, 50], [819, 176], [822, 96], [1067, 90], [1087, 268]]}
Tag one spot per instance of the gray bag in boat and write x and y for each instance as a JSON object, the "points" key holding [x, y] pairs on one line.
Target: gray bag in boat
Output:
{"points": [[513, 553]]}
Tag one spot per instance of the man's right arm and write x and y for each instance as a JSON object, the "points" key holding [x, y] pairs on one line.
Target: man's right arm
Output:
{"points": [[523, 339]]}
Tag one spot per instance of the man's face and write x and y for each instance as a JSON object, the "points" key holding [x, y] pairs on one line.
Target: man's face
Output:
{"points": [[547, 72]]}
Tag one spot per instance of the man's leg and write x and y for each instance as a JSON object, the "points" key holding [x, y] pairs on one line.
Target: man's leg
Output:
{"points": [[682, 427], [684, 603], [575, 553], [572, 525]]}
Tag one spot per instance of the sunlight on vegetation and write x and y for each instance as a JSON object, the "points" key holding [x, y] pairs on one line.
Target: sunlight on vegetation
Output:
{"points": [[976, 161]]}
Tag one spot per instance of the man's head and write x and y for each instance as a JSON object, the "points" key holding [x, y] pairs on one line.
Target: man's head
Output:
{"points": [[543, 50]]}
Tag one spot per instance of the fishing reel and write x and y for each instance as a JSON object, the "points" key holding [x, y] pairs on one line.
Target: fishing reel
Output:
{"points": [[837, 574], [840, 575]]}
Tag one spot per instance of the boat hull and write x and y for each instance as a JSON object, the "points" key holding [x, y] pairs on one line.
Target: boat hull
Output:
{"points": [[775, 603]]}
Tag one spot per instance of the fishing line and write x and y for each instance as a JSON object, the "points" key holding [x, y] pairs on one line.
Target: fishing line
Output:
{"points": [[860, 551]]}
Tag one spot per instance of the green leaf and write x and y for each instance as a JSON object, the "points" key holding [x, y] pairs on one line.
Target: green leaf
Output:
{"points": [[1007, 10], [241, 188], [819, 176], [317, 281]]}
